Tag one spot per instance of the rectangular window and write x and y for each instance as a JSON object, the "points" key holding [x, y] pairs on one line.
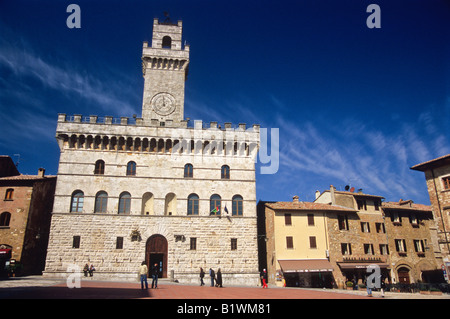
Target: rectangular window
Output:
{"points": [[233, 243], [396, 218], [376, 203], [193, 245], [413, 220], [446, 182], [368, 249], [346, 248], [119, 243], [310, 219], [384, 249], [400, 246], [365, 228], [289, 242], [9, 194], [312, 242], [380, 228], [76, 242], [287, 219], [362, 205], [419, 246], [343, 222]]}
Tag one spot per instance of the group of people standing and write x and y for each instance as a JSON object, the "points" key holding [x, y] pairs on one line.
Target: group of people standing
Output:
{"points": [[217, 278], [143, 273]]}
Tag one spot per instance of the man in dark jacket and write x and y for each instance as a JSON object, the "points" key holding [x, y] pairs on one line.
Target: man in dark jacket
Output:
{"points": [[155, 273]]}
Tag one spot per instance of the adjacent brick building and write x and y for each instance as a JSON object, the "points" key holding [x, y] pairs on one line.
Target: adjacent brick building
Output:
{"points": [[26, 203]]}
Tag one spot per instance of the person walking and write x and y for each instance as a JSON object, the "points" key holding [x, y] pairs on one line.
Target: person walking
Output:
{"points": [[219, 279], [212, 274], [143, 271], [155, 273], [264, 278], [202, 275]]}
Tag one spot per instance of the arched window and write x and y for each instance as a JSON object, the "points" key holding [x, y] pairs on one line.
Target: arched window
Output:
{"points": [[99, 167], [237, 205], [76, 204], [101, 202], [124, 203], [166, 42], [214, 204], [4, 219], [131, 168], [225, 172], [192, 208], [188, 170]]}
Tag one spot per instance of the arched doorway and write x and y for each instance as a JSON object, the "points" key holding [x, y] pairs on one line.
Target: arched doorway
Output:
{"points": [[403, 275], [156, 253]]}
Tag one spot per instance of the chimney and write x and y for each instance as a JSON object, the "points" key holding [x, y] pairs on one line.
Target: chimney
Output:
{"points": [[41, 172], [333, 197], [295, 199], [317, 194]]}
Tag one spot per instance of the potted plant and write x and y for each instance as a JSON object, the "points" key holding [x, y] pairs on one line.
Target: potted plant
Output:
{"points": [[349, 285]]}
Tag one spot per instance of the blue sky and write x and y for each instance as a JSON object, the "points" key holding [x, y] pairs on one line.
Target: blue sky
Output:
{"points": [[354, 106]]}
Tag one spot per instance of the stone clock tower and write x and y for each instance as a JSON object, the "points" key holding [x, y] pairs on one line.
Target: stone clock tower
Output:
{"points": [[165, 68]]}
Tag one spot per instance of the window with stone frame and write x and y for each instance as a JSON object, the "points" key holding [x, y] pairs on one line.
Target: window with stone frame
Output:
{"points": [[446, 182], [9, 194], [77, 202], [368, 249], [343, 222], [188, 170], [99, 167], [5, 218], [346, 249], [131, 168], [233, 243]]}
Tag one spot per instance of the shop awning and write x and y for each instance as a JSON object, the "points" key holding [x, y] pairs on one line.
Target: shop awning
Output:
{"points": [[361, 265], [4, 251], [305, 265]]}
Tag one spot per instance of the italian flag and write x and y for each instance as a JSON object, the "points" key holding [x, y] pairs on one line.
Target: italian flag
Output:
{"points": [[215, 210]]}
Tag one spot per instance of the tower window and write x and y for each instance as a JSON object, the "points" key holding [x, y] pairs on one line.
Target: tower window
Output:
{"points": [[166, 42]]}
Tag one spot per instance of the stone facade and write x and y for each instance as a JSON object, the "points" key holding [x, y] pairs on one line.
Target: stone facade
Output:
{"points": [[437, 176], [412, 237], [358, 230], [147, 189]]}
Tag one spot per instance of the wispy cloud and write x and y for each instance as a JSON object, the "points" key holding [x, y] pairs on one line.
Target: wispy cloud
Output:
{"points": [[22, 64], [362, 155]]}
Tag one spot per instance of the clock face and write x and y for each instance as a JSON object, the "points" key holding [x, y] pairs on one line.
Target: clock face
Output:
{"points": [[163, 103]]}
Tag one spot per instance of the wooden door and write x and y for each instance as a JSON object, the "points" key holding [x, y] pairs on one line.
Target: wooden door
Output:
{"points": [[403, 276], [156, 252]]}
